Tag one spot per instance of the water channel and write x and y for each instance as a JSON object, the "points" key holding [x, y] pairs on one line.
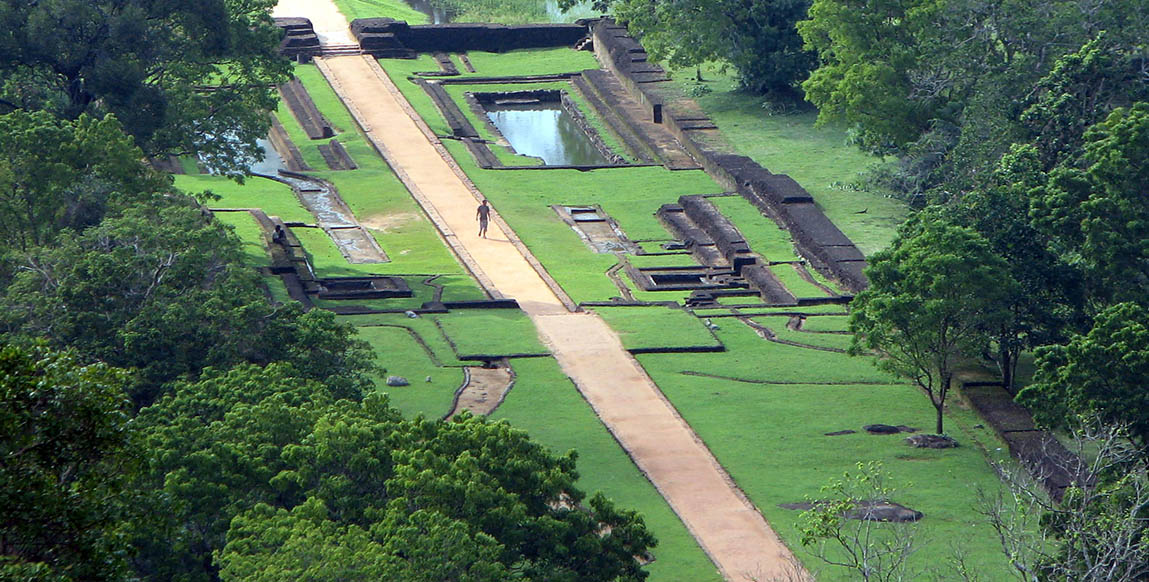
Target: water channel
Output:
{"points": [[545, 130]]}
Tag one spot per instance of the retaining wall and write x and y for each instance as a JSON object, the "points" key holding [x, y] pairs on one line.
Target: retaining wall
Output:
{"points": [[386, 37], [776, 195]]}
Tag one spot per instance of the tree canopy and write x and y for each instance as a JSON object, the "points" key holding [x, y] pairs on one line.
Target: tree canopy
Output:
{"points": [[182, 77], [67, 455], [933, 297]]}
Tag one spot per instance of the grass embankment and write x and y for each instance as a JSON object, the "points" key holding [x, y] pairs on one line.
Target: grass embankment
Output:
{"points": [[644, 328], [819, 158]]}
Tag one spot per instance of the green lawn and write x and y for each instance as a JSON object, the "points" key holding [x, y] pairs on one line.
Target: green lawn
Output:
{"points": [[777, 324], [826, 323], [250, 235], [817, 157], [400, 353], [490, 332], [397, 9], [759, 410], [646, 327], [275, 198]]}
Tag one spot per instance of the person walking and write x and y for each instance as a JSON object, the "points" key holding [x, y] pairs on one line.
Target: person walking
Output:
{"points": [[483, 215]]}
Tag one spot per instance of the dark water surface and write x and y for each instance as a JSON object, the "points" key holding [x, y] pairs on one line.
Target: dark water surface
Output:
{"points": [[544, 130]]}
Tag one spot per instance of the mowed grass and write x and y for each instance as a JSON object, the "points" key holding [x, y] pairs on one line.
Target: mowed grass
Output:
{"points": [[778, 325], [274, 198], [826, 323], [399, 353], [490, 332], [250, 235], [397, 9], [656, 327], [819, 158], [763, 409], [545, 404]]}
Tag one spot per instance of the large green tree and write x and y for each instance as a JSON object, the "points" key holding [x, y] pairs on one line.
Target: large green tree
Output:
{"points": [[57, 174], [756, 37], [66, 451], [1101, 374], [1096, 208], [263, 473], [934, 297], [1048, 301], [182, 77], [162, 289]]}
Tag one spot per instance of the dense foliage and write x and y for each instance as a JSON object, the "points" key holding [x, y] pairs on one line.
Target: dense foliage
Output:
{"points": [[755, 37], [182, 77], [934, 298]]}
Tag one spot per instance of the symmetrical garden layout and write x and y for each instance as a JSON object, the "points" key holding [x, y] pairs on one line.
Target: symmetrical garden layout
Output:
{"points": [[711, 352]]}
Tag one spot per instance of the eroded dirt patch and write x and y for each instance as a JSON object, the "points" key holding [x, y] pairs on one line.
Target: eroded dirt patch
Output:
{"points": [[387, 222], [483, 389]]}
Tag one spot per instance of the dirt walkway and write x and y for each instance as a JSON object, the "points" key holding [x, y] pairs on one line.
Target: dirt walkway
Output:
{"points": [[727, 526]]}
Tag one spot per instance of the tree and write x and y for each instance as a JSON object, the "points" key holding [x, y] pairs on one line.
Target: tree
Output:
{"points": [[162, 289], [182, 77], [933, 297], [1048, 300], [1096, 210], [1102, 373], [843, 532], [1097, 533], [869, 52], [57, 174], [65, 454], [756, 37]]}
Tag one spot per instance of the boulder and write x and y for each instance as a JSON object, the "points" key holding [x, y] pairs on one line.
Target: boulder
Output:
{"points": [[397, 381], [931, 441], [881, 429]]}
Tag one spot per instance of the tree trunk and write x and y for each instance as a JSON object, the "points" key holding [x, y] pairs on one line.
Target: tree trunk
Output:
{"points": [[940, 401]]}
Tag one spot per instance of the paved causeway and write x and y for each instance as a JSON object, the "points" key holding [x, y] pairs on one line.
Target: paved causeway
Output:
{"points": [[731, 531]]}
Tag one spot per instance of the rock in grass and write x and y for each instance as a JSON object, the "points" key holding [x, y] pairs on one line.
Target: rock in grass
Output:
{"points": [[881, 429], [931, 441], [397, 381]]}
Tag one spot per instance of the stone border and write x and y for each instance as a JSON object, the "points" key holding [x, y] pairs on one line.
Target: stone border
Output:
{"points": [[386, 37], [299, 101], [777, 196], [336, 156], [1043, 456]]}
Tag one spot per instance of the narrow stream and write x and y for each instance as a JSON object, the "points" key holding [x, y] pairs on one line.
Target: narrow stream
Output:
{"points": [[330, 212]]}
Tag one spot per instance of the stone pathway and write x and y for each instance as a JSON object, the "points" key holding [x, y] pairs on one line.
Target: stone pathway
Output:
{"points": [[727, 526]]}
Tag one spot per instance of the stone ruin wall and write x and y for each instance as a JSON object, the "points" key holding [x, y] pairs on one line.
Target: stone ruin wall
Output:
{"points": [[776, 195]]}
